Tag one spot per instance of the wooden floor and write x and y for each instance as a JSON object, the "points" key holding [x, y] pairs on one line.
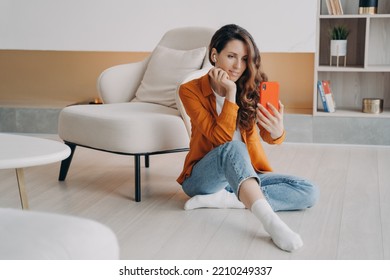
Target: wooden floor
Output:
{"points": [[351, 220]]}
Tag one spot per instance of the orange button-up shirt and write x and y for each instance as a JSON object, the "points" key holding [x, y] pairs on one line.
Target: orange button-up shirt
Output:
{"points": [[209, 130]]}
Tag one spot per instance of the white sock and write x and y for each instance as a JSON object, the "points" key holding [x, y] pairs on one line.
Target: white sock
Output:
{"points": [[280, 233], [221, 199]]}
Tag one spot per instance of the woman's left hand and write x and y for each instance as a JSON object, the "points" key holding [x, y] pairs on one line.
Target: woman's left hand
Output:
{"points": [[273, 123]]}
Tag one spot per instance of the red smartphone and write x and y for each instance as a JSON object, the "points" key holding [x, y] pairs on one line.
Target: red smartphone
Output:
{"points": [[269, 92]]}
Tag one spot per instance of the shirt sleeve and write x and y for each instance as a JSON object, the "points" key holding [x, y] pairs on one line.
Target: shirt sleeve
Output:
{"points": [[204, 118]]}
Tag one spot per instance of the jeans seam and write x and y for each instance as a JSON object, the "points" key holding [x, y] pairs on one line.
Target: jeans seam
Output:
{"points": [[265, 193]]}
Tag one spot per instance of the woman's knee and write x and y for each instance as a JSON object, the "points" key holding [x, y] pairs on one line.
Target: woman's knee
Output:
{"points": [[312, 193]]}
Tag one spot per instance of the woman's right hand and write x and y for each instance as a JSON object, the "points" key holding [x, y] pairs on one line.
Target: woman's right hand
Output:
{"points": [[222, 84]]}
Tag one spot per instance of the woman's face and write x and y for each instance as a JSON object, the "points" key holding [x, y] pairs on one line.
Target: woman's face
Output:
{"points": [[232, 59]]}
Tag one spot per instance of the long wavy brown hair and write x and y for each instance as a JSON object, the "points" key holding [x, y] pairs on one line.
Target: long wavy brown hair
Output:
{"points": [[247, 95]]}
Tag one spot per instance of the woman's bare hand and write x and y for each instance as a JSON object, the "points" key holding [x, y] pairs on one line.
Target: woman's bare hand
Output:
{"points": [[273, 123], [222, 84]]}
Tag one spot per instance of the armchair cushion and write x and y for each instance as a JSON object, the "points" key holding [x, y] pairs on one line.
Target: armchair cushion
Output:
{"points": [[165, 71], [130, 127]]}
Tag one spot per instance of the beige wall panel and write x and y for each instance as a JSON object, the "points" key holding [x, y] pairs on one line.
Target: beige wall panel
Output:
{"points": [[295, 74], [54, 78], [59, 78]]}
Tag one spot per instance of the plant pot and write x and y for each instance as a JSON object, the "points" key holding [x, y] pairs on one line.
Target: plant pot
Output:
{"points": [[338, 47]]}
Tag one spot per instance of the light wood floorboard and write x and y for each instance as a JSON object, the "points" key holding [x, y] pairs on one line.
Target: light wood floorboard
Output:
{"points": [[360, 231], [384, 196], [350, 221]]}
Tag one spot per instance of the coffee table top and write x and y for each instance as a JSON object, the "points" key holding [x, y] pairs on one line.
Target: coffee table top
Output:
{"points": [[18, 151]]}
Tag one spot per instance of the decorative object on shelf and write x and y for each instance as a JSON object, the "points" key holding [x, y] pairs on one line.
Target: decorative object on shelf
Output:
{"points": [[372, 105], [338, 43], [96, 101], [368, 7]]}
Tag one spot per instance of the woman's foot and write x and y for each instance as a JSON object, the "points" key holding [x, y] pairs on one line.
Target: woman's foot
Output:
{"points": [[221, 199], [280, 233]]}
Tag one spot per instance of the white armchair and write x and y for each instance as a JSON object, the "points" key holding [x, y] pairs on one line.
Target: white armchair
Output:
{"points": [[32, 235], [139, 116]]}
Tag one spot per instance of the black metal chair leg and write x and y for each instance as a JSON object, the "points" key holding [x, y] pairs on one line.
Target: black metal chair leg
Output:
{"points": [[147, 162], [65, 164], [137, 162]]}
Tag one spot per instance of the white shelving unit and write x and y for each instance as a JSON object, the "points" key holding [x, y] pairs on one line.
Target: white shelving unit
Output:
{"points": [[367, 74]]}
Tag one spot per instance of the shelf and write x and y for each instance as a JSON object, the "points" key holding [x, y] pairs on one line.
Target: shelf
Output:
{"points": [[351, 16], [356, 40], [34, 104], [371, 68], [353, 113], [367, 71], [351, 9], [378, 51]]}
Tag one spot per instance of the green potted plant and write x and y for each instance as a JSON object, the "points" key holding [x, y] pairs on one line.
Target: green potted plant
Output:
{"points": [[338, 43]]}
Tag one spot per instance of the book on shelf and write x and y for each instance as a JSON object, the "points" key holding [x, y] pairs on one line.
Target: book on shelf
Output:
{"points": [[329, 7], [330, 104], [322, 95], [340, 8], [334, 7]]}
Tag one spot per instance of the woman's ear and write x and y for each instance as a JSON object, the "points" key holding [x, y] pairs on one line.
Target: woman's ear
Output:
{"points": [[213, 55]]}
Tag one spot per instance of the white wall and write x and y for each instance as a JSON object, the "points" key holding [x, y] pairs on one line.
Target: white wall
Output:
{"points": [[137, 25]]}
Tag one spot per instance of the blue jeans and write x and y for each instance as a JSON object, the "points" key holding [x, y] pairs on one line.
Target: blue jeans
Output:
{"points": [[228, 165]]}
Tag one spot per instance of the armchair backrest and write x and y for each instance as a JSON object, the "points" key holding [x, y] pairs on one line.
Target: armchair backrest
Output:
{"points": [[121, 83], [195, 37]]}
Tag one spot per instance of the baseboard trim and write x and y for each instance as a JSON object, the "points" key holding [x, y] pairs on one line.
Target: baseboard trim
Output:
{"points": [[301, 128]]}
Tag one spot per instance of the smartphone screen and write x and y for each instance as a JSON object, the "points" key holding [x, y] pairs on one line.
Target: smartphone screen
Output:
{"points": [[269, 93]]}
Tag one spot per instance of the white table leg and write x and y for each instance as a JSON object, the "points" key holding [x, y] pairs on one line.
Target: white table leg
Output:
{"points": [[22, 188]]}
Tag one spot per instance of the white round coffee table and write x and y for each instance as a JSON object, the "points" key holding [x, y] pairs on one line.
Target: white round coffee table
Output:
{"points": [[18, 151]]}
